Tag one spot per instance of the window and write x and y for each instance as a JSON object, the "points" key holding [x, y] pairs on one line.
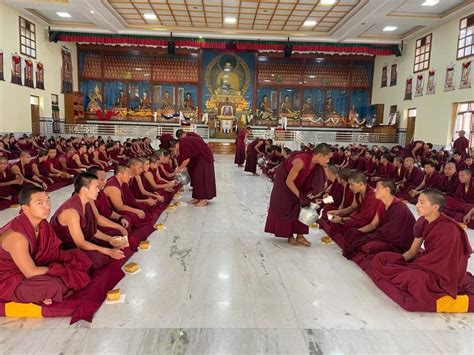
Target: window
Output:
{"points": [[466, 37], [422, 53], [464, 120], [27, 38]]}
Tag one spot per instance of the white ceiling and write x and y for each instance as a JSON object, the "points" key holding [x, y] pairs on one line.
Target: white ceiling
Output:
{"points": [[345, 21]]}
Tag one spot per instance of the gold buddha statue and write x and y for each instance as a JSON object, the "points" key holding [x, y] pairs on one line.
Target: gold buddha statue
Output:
{"points": [[95, 102], [308, 106], [228, 81]]}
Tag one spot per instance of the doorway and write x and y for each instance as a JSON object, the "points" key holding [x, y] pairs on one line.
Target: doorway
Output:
{"points": [[410, 125], [35, 114]]}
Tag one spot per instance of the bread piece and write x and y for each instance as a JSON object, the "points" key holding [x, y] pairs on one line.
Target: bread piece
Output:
{"points": [[144, 245], [159, 226], [326, 240], [113, 295], [131, 267]]}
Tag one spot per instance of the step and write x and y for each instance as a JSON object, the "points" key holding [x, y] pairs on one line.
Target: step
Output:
{"points": [[222, 148]]}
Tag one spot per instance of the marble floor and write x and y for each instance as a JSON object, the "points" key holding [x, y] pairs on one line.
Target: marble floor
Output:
{"points": [[214, 283]]}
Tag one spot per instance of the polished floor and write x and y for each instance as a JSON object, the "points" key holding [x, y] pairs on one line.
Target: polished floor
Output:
{"points": [[214, 283]]}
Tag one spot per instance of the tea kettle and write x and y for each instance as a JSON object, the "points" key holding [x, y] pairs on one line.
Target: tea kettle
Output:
{"points": [[309, 215]]}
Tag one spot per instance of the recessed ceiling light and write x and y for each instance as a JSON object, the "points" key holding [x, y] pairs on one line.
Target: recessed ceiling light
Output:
{"points": [[327, 2], [63, 14], [430, 3], [389, 28], [309, 23], [149, 16], [92, 12], [230, 20]]}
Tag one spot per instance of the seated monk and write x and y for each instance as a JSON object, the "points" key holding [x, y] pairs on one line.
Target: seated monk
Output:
{"points": [[117, 154], [151, 181], [386, 169], [76, 225], [57, 166], [24, 169], [93, 157], [418, 278], [10, 184], [362, 211], [166, 171], [411, 180], [136, 184], [108, 221], [103, 157], [399, 170], [33, 268], [332, 187], [153, 175], [431, 180], [295, 181], [121, 197], [73, 161], [347, 195], [451, 180], [462, 202], [391, 232]]}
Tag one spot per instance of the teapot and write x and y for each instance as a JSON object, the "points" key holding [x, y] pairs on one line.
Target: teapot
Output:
{"points": [[183, 178], [260, 161], [309, 215]]}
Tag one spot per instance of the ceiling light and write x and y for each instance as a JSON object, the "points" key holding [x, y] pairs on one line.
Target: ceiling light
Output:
{"points": [[327, 2], [63, 14], [312, 76], [309, 23], [389, 28], [149, 16], [430, 3], [230, 20], [92, 12]]}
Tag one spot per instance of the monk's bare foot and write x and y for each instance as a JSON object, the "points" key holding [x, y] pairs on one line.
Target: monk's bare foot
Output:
{"points": [[302, 240], [201, 203], [292, 241], [193, 201], [240, 166], [255, 174], [48, 301]]}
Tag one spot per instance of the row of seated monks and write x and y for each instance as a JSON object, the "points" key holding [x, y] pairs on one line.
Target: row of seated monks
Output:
{"points": [[421, 264], [46, 262]]}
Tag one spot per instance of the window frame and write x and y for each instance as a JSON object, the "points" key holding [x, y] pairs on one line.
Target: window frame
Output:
{"points": [[458, 48], [32, 37], [415, 63]]}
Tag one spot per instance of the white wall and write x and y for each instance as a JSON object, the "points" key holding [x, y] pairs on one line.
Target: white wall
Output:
{"points": [[15, 111], [434, 112]]}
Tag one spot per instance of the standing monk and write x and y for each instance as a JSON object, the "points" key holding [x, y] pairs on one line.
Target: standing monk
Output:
{"points": [[240, 143], [255, 150], [293, 181], [33, 268], [461, 144], [195, 156]]}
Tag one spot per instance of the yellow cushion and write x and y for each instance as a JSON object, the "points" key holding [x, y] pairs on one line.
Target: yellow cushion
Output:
{"points": [[447, 304], [17, 310]]}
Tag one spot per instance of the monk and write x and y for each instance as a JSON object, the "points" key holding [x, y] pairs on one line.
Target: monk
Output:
{"points": [[333, 187], [76, 225], [418, 278], [151, 179], [240, 144], [360, 213], [108, 221], [386, 169], [412, 178], [301, 175], [451, 180], [196, 157], [431, 180], [24, 170], [33, 268], [121, 197], [150, 198], [255, 149], [273, 160], [10, 184], [461, 144], [393, 231], [399, 170], [73, 160], [459, 205]]}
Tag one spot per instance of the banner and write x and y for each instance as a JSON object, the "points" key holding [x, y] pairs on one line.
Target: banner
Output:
{"points": [[393, 75], [384, 76], [419, 85], [16, 69], [39, 76], [66, 71], [408, 88], [431, 85], [465, 75], [449, 79], [29, 73]]}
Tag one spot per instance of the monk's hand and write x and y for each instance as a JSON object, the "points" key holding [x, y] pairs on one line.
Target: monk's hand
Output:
{"points": [[304, 200], [336, 219], [44, 186], [467, 218], [159, 197], [123, 231], [150, 202], [124, 222], [116, 242], [141, 214], [18, 181], [116, 254]]}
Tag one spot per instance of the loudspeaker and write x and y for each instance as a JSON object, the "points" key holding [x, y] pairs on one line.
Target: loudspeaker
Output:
{"points": [[287, 51], [396, 51], [171, 47], [53, 36]]}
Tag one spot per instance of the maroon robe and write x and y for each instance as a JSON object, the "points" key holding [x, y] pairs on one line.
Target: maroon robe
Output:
{"points": [[240, 147], [88, 227], [461, 145], [165, 139], [439, 270], [433, 181], [282, 218], [252, 155], [68, 270], [394, 233], [11, 190], [200, 167], [386, 171], [450, 185], [412, 180]]}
